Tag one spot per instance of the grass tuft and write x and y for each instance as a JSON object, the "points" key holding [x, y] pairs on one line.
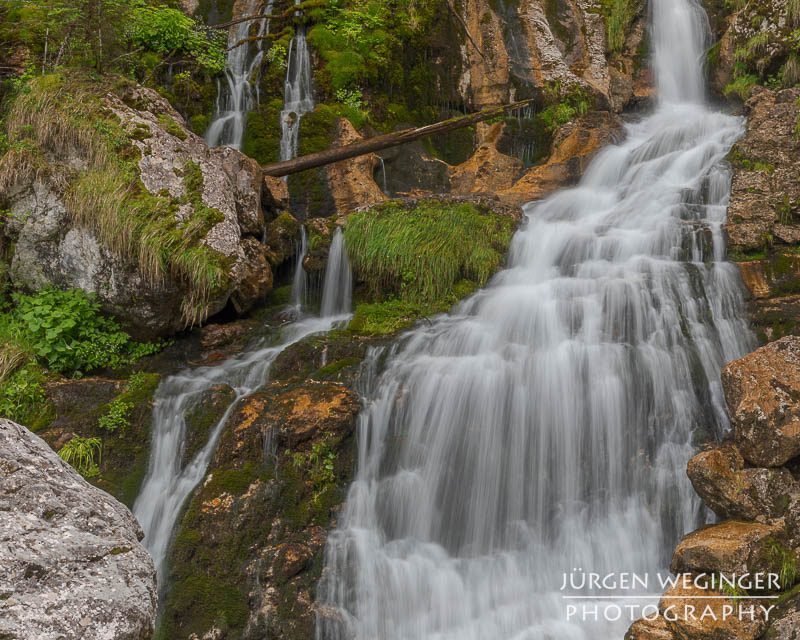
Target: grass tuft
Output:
{"points": [[420, 254]]}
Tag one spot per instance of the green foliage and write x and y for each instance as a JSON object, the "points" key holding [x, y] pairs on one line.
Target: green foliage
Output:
{"points": [[784, 561], [22, 397], [117, 416], [420, 254], [68, 334], [319, 464], [164, 30], [80, 453], [618, 14]]}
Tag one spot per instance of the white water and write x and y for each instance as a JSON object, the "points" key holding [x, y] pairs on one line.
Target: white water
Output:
{"points": [[300, 281], [545, 425], [235, 99], [337, 289], [298, 96], [168, 484]]}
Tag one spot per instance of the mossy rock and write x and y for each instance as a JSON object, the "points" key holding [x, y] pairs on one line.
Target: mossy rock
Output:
{"points": [[204, 416]]}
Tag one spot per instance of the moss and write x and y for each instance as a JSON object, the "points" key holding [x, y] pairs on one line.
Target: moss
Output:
{"points": [[213, 603], [262, 133], [309, 191], [170, 126], [235, 481], [739, 160], [332, 371]]}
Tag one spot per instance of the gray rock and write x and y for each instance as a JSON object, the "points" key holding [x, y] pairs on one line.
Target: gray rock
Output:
{"points": [[72, 563], [51, 248]]}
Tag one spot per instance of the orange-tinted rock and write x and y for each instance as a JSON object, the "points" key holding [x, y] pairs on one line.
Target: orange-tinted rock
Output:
{"points": [[274, 194], [691, 617], [256, 277], [733, 492], [574, 146], [763, 394], [487, 170], [656, 629], [351, 181], [730, 548]]}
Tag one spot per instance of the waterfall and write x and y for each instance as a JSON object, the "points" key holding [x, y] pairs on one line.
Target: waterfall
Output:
{"points": [[298, 96], [168, 483], [383, 174], [300, 280], [338, 283], [545, 425], [235, 98]]}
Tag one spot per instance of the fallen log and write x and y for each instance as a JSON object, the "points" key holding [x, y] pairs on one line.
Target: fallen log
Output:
{"points": [[377, 143]]}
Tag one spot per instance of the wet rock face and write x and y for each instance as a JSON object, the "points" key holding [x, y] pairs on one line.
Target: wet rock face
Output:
{"points": [[248, 552], [72, 563], [763, 393], [763, 224], [527, 44]]}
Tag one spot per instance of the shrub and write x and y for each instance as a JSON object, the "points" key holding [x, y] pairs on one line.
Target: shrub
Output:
{"points": [[79, 452], [22, 396]]}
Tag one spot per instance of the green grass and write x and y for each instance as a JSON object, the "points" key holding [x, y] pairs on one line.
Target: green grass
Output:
{"points": [[619, 15], [741, 87], [418, 255]]}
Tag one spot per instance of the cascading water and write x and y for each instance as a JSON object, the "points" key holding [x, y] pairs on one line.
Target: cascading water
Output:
{"points": [[300, 280], [545, 425], [235, 99], [169, 483], [337, 289], [298, 96]]}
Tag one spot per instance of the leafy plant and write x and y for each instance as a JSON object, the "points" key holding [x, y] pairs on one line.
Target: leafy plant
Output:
{"points": [[784, 561], [80, 453], [68, 334], [117, 416], [22, 396]]}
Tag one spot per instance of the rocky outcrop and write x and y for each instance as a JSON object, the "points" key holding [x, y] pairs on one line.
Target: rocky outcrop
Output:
{"points": [[763, 394], [521, 47], [763, 227], [573, 147], [749, 481], [351, 181], [73, 566], [204, 207], [249, 550]]}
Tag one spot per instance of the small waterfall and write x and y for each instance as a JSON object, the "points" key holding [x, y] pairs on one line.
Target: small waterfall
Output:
{"points": [[338, 284], [235, 99], [298, 96], [300, 280], [168, 484], [383, 174], [546, 423]]}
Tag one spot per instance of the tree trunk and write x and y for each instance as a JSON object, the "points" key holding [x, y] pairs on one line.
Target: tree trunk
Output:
{"points": [[370, 145]]}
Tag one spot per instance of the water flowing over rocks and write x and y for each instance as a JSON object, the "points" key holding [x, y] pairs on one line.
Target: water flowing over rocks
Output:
{"points": [[72, 563], [749, 481]]}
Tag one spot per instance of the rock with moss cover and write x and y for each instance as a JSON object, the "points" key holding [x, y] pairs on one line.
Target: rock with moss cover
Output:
{"points": [[762, 390], [108, 191], [248, 552], [763, 224], [73, 566]]}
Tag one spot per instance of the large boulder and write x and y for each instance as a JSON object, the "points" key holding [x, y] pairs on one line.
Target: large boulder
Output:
{"points": [[731, 548], [162, 234], [72, 563], [763, 392], [734, 492]]}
